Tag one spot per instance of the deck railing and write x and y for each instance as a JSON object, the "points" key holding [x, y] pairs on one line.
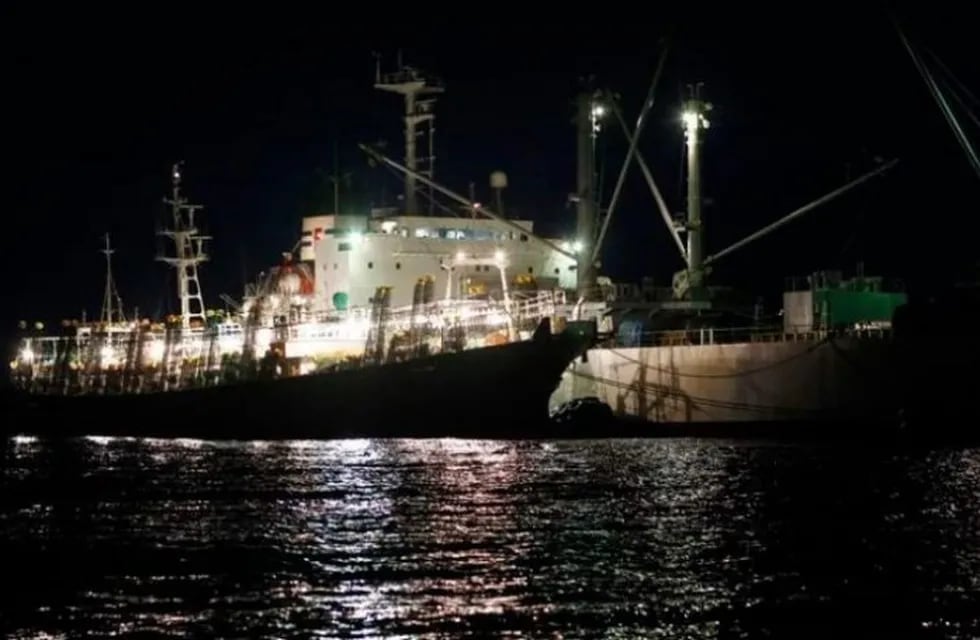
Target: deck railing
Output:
{"points": [[732, 335]]}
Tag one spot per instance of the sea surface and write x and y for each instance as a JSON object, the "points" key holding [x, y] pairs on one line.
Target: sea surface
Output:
{"points": [[670, 538]]}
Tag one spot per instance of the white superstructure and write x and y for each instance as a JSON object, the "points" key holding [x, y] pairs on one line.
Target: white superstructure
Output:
{"points": [[465, 258], [316, 227]]}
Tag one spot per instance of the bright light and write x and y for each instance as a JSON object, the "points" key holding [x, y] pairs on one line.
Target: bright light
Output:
{"points": [[108, 354], [497, 319], [598, 111], [460, 256], [356, 237], [155, 352], [498, 255], [388, 226], [692, 119], [230, 344], [577, 246], [26, 355]]}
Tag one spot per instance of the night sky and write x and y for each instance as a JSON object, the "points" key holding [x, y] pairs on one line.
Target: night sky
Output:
{"points": [[100, 104]]}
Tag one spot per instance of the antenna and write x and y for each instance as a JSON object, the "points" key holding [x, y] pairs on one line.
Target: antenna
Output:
{"points": [[112, 305], [419, 91], [589, 111], [189, 252], [337, 178]]}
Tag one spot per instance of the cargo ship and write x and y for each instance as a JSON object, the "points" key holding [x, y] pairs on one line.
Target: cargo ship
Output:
{"points": [[851, 355], [693, 358], [384, 324]]}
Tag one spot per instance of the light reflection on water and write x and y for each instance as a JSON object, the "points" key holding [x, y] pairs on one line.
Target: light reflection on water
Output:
{"points": [[410, 538]]}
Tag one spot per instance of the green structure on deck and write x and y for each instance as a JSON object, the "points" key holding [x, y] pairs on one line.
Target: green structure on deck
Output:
{"points": [[830, 302]]}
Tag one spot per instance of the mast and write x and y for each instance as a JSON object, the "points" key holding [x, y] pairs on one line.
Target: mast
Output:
{"points": [[336, 178], [694, 122], [419, 91], [188, 253], [112, 306], [588, 112]]}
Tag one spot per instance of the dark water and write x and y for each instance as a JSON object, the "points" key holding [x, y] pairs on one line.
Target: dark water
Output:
{"points": [[671, 539]]}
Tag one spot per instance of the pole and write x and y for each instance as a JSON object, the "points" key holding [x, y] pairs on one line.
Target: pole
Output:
{"points": [[585, 182], [411, 203], [336, 179], [694, 122], [107, 295]]}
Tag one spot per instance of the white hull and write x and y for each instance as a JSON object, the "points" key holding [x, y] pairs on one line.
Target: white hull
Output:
{"points": [[813, 379]]}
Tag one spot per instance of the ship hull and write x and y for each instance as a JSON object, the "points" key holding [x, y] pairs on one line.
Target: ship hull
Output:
{"points": [[741, 388], [499, 391]]}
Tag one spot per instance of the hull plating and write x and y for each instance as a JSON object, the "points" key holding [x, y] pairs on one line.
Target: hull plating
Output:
{"points": [[497, 391]]}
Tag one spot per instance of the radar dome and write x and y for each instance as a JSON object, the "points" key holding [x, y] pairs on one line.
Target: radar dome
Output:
{"points": [[498, 180]]}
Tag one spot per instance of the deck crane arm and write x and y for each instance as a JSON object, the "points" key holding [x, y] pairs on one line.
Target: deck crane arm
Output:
{"points": [[799, 212]]}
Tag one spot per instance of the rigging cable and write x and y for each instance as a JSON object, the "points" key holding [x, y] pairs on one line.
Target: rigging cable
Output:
{"points": [[940, 100], [959, 100], [946, 70]]}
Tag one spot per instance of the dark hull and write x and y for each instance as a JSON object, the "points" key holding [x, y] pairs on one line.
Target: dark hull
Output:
{"points": [[940, 363], [499, 392]]}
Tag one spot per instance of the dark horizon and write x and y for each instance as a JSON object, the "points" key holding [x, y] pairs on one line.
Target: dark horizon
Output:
{"points": [[259, 109]]}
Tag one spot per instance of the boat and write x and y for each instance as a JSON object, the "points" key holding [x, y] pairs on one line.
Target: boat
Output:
{"points": [[498, 391], [692, 358], [682, 373], [384, 324]]}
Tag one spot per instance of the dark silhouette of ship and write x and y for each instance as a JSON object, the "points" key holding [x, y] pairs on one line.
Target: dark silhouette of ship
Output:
{"points": [[497, 391]]}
